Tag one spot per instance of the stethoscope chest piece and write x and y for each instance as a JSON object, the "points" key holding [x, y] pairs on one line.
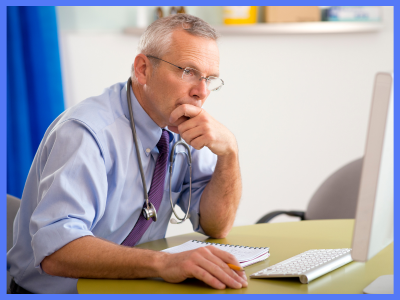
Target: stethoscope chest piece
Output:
{"points": [[150, 212]]}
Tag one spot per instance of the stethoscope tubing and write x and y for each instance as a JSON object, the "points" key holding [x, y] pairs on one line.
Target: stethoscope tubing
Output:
{"points": [[146, 196], [172, 160], [150, 206]]}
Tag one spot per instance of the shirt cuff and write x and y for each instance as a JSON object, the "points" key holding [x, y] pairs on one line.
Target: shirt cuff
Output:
{"points": [[49, 239]]}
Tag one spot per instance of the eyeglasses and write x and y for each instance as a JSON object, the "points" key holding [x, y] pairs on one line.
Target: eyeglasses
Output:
{"points": [[194, 76]]}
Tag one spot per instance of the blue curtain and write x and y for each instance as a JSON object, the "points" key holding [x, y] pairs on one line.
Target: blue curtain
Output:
{"points": [[34, 87]]}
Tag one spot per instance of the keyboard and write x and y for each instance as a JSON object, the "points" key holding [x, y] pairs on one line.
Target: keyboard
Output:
{"points": [[308, 265]]}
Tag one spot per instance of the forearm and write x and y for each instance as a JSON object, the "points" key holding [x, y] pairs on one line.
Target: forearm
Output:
{"points": [[220, 199], [90, 257]]}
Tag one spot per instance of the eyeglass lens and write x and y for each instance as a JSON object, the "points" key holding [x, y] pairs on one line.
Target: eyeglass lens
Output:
{"points": [[193, 76]]}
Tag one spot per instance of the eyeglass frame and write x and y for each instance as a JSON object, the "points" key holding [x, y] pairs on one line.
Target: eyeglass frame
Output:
{"points": [[184, 69]]}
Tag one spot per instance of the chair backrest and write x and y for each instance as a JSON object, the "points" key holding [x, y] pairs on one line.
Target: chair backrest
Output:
{"points": [[13, 204], [336, 198]]}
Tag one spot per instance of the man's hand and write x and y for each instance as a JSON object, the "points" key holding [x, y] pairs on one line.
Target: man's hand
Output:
{"points": [[199, 129], [208, 264], [91, 257], [220, 198]]}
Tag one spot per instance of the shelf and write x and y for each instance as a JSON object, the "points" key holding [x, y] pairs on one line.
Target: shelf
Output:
{"points": [[289, 28]]}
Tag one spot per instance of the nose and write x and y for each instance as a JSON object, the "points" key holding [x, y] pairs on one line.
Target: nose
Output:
{"points": [[200, 90]]}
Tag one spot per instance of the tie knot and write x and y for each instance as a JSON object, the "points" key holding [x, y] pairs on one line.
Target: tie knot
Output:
{"points": [[163, 143]]}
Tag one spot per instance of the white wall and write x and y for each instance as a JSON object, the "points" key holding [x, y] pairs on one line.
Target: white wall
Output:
{"points": [[297, 104]]}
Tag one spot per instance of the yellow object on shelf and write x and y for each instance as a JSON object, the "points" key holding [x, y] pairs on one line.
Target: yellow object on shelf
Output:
{"points": [[239, 15]]}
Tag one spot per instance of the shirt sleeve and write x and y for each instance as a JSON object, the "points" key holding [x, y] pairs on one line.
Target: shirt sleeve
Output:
{"points": [[203, 166], [72, 189]]}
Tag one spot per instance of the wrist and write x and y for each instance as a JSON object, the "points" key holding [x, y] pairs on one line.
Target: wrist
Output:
{"points": [[160, 263], [232, 151]]}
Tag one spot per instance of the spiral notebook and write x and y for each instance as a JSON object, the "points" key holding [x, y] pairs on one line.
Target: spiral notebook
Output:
{"points": [[245, 255]]}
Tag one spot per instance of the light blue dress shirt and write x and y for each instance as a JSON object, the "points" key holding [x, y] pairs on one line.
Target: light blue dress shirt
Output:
{"points": [[85, 180]]}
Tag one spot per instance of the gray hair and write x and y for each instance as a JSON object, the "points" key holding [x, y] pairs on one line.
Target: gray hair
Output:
{"points": [[156, 40]]}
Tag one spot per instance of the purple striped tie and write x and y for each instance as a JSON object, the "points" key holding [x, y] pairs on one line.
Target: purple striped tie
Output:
{"points": [[156, 191]]}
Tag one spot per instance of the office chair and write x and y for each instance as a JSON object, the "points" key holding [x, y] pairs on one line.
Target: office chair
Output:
{"points": [[13, 204], [336, 198]]}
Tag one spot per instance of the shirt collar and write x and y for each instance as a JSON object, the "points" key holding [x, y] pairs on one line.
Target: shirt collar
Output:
{"points": [[148, 132]]}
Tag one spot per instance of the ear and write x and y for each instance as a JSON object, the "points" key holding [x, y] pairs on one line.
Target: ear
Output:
{"points": [[142, 68]]}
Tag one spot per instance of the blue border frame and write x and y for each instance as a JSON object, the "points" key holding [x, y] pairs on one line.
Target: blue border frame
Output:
{"points": [[3, 101]]}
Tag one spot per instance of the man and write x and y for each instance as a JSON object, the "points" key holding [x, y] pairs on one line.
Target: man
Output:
{"points": [[83, 199]]}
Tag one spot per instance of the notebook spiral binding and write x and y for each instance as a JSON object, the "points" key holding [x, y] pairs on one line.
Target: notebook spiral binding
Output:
{"points": [[228, 245]]}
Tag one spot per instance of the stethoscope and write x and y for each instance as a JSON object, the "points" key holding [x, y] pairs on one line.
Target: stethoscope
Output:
{"points": [[150, 211]]}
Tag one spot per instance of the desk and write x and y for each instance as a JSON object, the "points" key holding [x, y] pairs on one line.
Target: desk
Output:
{"points": [[285, 240]]}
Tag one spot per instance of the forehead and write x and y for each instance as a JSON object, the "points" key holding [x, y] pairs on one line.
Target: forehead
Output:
{"points": [[188, 50]]}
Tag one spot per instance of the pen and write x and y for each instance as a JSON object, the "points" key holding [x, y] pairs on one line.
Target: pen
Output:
{"points": [[236, 268]]}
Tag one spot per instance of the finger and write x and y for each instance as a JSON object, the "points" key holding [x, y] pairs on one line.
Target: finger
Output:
{"points": [[203, 275], [239, 276], [185, 110], [234, 275], [199, 142], [220, 271], [212, 254], [181, 120], [242, 276], [174, 127], [191, 134], [224, 256], [202, 119], [228, 258]]}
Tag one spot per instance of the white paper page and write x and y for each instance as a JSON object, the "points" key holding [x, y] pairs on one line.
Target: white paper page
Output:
{"points": [[245, 255]]}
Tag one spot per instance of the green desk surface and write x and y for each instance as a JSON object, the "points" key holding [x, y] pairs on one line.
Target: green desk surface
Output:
{"points": [[284, 240]]}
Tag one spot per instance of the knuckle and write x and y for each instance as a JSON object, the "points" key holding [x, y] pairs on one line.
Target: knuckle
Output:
{"points": [[194, 255], [210, 136], [185, 108], [203, 273], [202, 118], [187, 266], [183, 135], [203, 250], [214, 282], [231, 257], [196, 145], [193, 143]]}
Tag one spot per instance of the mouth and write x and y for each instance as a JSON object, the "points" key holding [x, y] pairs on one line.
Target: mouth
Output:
{"points": [[190, 102]]}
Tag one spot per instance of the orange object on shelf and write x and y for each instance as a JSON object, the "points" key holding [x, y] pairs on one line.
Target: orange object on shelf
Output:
{"points": [[285, 14], [239, 15]]}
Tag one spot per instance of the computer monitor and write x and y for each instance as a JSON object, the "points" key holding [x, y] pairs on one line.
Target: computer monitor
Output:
{"points": [[373, 229]]}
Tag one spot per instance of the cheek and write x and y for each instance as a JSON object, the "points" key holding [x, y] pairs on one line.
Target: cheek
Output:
{"points": [[168, 90], [168, 84], [176, 90]]}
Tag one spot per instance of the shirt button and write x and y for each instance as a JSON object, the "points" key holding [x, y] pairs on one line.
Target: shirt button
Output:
{"points": [[148, 150]]}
